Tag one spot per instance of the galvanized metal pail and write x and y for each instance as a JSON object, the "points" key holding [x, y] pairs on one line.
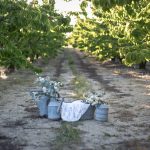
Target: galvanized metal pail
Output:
{"points": [[43, 105], [101, 112], [53, 109]]}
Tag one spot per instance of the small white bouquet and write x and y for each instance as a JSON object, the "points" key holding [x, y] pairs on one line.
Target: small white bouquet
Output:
{"points": [[95, 97], [50, 88]]}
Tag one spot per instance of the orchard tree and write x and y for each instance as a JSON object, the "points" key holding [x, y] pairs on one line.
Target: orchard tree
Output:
{"points": [[118, 29], [30, 31]]}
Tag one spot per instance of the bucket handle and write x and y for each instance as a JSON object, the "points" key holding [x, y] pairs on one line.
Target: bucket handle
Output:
{"points": [[59, 107]]}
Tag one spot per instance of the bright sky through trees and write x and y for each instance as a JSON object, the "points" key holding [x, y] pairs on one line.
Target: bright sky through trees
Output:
{"points": [[64, 7]]}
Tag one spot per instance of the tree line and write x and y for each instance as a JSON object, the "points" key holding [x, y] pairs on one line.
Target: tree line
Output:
{"points": [[30, 31], [118, 29]]}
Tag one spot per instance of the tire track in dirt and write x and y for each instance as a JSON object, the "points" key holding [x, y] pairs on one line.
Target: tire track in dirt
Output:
{"points": [[7, 143], [58, 66], [88, 69]]}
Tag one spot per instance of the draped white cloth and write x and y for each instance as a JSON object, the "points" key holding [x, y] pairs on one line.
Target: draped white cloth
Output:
{"points": [[73, 111]]}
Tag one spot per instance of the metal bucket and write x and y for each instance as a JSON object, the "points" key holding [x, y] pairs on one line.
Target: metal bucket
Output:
{"points": [[43, 105], [101, 113], [53, 109]]}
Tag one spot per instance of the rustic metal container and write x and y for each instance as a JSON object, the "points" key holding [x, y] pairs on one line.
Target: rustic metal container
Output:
{"points": [[101, 112], [42, 104], [53, 109]]}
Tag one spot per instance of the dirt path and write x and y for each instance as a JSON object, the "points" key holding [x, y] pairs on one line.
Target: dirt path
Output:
{"points": [[128, 98]]}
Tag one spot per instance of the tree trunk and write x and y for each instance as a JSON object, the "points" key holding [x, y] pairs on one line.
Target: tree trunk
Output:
{"points": [[142, 65]]}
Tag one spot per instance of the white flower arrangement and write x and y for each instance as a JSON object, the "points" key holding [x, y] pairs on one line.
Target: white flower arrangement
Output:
{"points": [[95, 98], [50, 88]]}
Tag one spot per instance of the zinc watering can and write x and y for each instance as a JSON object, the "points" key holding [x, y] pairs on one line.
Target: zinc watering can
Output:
{"points": [[54, 107], [42, 104]]}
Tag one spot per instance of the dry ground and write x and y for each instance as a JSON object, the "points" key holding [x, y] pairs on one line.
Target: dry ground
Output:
{"points": [[128, 92]]}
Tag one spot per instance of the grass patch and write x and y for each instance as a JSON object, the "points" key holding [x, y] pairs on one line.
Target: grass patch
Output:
{"points": [[72, 64], [70, 60], [67, 135], [81, 85]]}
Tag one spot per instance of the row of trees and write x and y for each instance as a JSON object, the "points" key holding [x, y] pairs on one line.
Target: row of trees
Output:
{"points": [[118, 29], [30, 31]]}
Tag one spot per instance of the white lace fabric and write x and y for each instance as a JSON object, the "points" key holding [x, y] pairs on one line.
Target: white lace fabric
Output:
{"points": [[73, 111]]}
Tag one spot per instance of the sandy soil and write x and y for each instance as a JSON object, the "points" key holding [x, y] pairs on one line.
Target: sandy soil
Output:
{"points": [[128, 90]]}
